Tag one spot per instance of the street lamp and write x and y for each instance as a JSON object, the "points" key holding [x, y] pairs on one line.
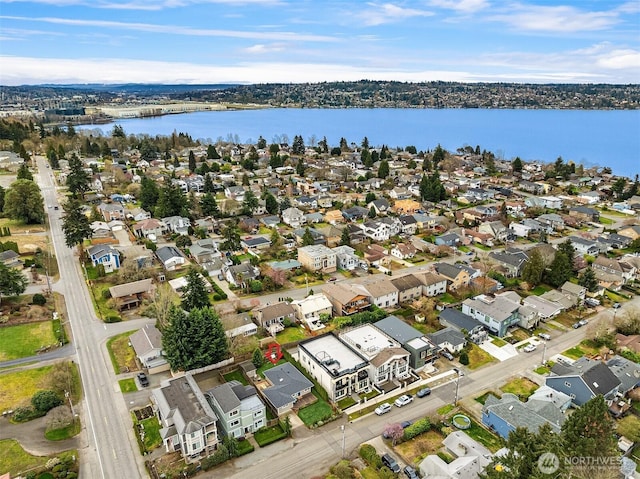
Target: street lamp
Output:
{"points": [[455, 401], [342, 428], [544, 351]]}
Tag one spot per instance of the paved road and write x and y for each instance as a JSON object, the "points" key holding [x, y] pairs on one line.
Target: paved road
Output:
{"points": [[113, 451]]}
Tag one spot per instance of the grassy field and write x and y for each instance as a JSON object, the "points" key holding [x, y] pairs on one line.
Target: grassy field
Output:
{"points": [[25, 339], [418, 448], [128, 385], [541, 289], [318, 411], [14, 459], [520, 334], [99, 303], [17, 388], [521, 387], [478, 357], [292, 334], [24, 235], [123, 357], [446, 409]]}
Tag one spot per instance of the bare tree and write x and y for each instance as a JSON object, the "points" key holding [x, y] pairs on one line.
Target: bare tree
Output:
{"points": [[163, 298], [59, 417]]}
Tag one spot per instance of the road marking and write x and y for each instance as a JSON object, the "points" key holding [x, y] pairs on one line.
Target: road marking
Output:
{"points": [[114, 453], [105, 420]]}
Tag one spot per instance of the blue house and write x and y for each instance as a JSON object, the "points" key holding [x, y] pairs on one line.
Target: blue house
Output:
{"points": [[448, 239], [105, 255], [584, 379]]}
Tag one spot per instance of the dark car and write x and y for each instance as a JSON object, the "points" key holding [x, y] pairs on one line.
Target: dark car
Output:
{"points": [[423, 392], [144, 380], [446, 354], [410, 472], [405, 424], [390, 462]]}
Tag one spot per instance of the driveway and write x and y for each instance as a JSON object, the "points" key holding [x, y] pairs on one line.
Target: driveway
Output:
{"points": [[123, 237], [500, 353]]}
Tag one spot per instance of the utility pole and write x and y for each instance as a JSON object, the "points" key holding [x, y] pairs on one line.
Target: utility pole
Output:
{"points": [[455, 401], [343, 433], [544, 351]]}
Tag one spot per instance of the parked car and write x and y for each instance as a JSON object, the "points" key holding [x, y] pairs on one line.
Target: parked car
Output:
{"points": [[383, 409], [332, 279], [592, 302], [446, 354], [576, 325], [583, 322], [144, 380], [405, 424], [616, 305], [529, 348], [403, 400], [545, 336], [390, 462], [410, 472], [423, 392]]}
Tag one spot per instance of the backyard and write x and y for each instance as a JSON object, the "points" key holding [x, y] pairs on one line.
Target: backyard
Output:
{"points": [[25, 340], [291, 334], [421, 446], [521, 387]]}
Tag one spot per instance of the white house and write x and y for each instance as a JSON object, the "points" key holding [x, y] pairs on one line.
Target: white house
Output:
{"points": [[310, 309]]}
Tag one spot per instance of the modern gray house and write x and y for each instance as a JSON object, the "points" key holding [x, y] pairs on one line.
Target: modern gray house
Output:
{"points": [[422, 351]]}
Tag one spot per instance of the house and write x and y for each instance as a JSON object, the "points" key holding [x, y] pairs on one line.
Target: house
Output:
{"points": [[293, 217], [409, 287], [388, 361], [583, 380], [346, 299], [334, 217], [11, 259], [632, 232], [381, 206], [313, 311], [376, 255], [422, 351], [340, 369], [105, 255], [497, 313], [346, 258], [100, 229], [170, 257], [456, 276], [546, 309], [187, 419], [178, 224], [511, 259], [130, 295], [580, 292], [151, 229], [307, 202], [621, 270], [204, 251], [551, 202], [403, 250], [496, 229], [465, 324], [508, 413], [238, 325], [241, 274], [249, 224], [584, 213], [377, 230], [448, 338], [112, 211], [255, 243], [584, 246], [311, 218], [448, 239], [147, 344], [318, 258], [238, 407], [332, 235], [287, 385], [272, 316], [628, 342], [627, 371], [379, 291], [409, 224], [471, 458], [271, 221], [433, 284], [555, 221], [355, 213], [235, 193], [589, 197], [138, 214], [520, 230]]}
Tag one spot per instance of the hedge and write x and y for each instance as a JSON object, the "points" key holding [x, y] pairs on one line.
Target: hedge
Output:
{"points": [[417, 428], [370, 456]]}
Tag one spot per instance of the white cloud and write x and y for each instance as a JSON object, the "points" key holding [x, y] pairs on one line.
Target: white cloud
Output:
{"points": [[180, 30], [146, 4], [259, 48], [462, 6], [561, 18], [378, 14]]}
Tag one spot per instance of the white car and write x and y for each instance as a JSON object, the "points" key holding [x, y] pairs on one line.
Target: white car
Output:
{"points": [[383, 408], [545, 336], [403, 400], [529, 348]]}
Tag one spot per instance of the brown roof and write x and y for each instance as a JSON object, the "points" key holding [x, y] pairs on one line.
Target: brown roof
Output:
{"points": [[386, 354], [343, 294], [273, 311], [127, 289], [631, 342]]}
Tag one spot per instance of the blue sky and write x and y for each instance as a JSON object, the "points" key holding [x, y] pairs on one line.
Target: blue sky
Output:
{"points": [[292, 41]]}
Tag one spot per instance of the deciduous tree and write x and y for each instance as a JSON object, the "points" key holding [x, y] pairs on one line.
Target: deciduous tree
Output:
{"points": [[23, 202], [12, 281]]}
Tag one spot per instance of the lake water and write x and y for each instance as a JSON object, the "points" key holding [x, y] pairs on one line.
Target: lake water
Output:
{"points": [[600, 137]]}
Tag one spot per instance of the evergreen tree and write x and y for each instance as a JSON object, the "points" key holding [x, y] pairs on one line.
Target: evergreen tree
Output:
{"points": [[300, 168], [271, 204], [516, 165], [208, 184], [212, 153], [324, 146], [23, 202], [78, 178], [2, 193], [567, 248], [12, 281], [365, 156], [372, 213], [209, 205], [298, 145], [533, 269], [75, 224], [195, 292], [194, 340], [588, 280], [589, 431], [149, 194], [370, 197], [24, 173], [231, 236], [560, 270], [365, 143], [345, 238], [249, 203], [172, 201], [258, 358], [192, 161], [383, 169], [262, 143], [285, 203], [438, 156], [307, 238]]}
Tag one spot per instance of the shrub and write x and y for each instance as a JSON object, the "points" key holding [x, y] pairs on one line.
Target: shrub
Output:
{"points": [[112, 318], [45, 400], [464, 358], [220, 456], [38, 299], [183, 241], [417, 428], [150, 245], [23, 414], [106, 294], [370, 456]]}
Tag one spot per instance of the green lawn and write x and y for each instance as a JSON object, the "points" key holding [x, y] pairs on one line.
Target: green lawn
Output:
{"points": [[267, 435], [542, 370], [447, 298], [25, 339], [478, 357], [521, 387], [17, 388], [15, 460], [484, 436], [346, 402], [236, 375], [128, 385], [464, 249], [446, 409], [499, 342], [99, 303], [65, 432], [123, 357], [541, 289], [606, 221], [318, 411], [152, 438], [574, 353], [291, 335]]}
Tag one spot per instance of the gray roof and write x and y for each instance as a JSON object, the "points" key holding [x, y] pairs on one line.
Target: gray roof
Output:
{"points": [[448, 270], [458, 320], [531, 415], [595, 374], [146, 339], [165, 253], [101, 250], [225, 397], [287, 381], [136, 287], [398, 329], [626, 371], [406, 282], [448, 335]]}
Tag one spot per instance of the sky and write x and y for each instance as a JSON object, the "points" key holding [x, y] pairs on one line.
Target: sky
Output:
{"points": [[297, 41]]}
